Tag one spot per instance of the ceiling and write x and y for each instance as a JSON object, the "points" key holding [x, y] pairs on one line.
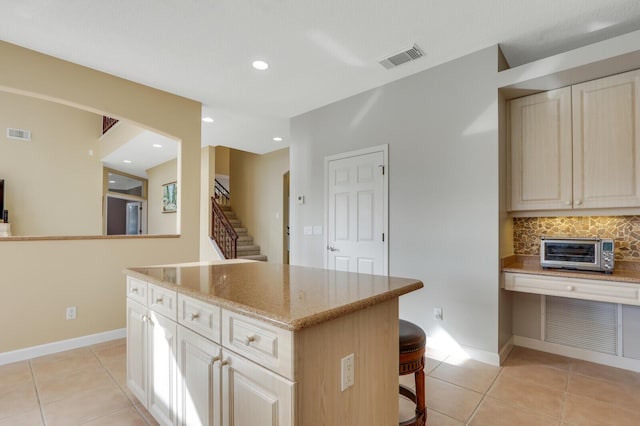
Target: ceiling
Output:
{"points": [[146, 150], [318, 51]]}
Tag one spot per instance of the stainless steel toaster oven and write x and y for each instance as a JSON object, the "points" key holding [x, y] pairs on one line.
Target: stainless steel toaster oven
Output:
{"points": [[587, 254]]}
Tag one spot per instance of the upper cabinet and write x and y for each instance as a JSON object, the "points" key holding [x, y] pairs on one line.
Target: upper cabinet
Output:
{"points": [[577, 147], [541, 151]]}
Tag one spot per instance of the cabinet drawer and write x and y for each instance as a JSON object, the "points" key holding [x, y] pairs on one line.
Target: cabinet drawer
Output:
{"points": [[163, 301], [137, 290], [265, 344], [200, 317], [603, 291]]}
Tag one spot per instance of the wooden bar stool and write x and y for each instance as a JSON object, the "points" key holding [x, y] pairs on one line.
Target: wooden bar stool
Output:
{"points": [[412, 346]]}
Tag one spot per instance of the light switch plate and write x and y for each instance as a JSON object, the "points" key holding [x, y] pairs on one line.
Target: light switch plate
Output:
{"points": [[317, 230]]}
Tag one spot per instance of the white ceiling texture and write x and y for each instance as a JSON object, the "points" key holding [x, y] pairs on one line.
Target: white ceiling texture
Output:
{"points": [[319, 51]]}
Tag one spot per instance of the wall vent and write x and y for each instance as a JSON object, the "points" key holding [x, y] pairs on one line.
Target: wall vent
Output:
{"points": [[23, 135], [402, 57], [582, 324]]}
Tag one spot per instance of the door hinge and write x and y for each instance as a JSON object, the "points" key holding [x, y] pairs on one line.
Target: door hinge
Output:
{"points": [[383, 237], [382, 167]]}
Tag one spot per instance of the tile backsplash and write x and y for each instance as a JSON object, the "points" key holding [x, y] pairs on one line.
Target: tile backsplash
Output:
{"points": [[625, 230]]}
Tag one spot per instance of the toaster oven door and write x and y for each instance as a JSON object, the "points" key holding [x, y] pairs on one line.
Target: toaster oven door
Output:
{"points": [[571, 254]]}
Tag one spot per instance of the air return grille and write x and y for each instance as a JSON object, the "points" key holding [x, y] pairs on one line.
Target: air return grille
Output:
{"points": [[23, 135], [582, 324], [402, 57]]}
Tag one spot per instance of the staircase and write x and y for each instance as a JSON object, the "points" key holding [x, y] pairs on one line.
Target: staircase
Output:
{"points": [[245, 247]]}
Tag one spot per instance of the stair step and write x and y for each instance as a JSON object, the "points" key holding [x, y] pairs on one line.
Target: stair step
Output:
{"points": [[260, 257], [245, 240], [241, 231], [234, 222], [248, 249]]}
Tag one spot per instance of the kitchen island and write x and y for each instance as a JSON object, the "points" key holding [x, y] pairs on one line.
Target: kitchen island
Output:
{"points": [[254, 343]]}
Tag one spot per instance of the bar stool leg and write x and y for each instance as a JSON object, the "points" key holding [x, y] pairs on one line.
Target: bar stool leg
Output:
{"points": [[420, 394]]}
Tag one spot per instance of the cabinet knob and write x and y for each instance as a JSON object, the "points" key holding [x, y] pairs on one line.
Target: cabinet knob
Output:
{"points": [[567, 203], [578, 202], [134, 290], [160, 300], [144, 318], [195, 316], [569, 288], [249, 340]]}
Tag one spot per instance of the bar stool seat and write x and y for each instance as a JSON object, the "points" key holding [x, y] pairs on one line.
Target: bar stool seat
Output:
{"points": [[412, 346]]}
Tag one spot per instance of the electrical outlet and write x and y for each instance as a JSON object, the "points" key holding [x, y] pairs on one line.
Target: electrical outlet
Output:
{"points": [[437, 313], [71, 313], [348, 372]]}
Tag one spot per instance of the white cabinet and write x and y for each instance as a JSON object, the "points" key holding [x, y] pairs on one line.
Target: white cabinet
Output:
{"points": [[253, 395], [541, 153], [199, 387], [181, 374], [137, 350], [161, 368], [151, 360], [606, 142], [577, 147]]}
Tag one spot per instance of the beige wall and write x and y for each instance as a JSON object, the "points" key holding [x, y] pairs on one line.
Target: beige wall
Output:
{"points": [[256, 197], [158, 222], [207, 178], [40, 278], [53, 184], [222, 160]]}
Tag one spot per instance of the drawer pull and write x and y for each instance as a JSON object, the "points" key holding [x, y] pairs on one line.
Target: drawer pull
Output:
{"points": [[134, 290], [249, 340], [569, 288], [225, 362], [160, 300], [215, 359], [195, 316]]}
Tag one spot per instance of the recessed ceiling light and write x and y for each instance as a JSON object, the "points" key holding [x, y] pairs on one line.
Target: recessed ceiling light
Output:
{"points": [[126, 161], [157, 145], [207, 119], [260, 65], [277, 139], [112, 181]]}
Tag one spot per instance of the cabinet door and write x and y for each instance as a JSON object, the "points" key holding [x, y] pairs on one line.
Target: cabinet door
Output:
{"points": [[606, 147], [137, 350], [540, 151], [198, 380], [253, 395], [161, 368]]}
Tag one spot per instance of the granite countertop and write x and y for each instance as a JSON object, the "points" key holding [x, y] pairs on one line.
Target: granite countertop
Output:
{"points": [[624, 271], [290, 297]]}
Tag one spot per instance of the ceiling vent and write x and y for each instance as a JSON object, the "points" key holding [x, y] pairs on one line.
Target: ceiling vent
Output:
{"points": [[402, 57], [23, 135]]}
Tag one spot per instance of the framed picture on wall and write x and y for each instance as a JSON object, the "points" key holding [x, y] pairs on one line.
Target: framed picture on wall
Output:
{"points": [[169, 197]]}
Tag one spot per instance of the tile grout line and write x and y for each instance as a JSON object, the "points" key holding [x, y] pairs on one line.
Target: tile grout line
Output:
{"points": [[35, 385], [484, 396], [133, 404]]}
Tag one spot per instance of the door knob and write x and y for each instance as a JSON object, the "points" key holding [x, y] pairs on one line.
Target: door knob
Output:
{"points": [[332, 248]]}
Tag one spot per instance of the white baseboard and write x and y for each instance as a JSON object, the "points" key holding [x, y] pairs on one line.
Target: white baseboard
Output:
{"points": [[461, 350], [583, 354], [60, 346], [506, 350]]}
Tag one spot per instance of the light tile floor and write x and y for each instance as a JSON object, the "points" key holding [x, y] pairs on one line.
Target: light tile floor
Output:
{"points": [[86, 386], [531, 388]]}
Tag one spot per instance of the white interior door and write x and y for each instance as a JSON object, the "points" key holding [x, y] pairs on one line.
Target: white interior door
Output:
{"points": [[356, 216]]}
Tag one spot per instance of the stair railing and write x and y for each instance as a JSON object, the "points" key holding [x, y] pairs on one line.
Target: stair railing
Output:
{"points": [[222, 232], [221, 194]]}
